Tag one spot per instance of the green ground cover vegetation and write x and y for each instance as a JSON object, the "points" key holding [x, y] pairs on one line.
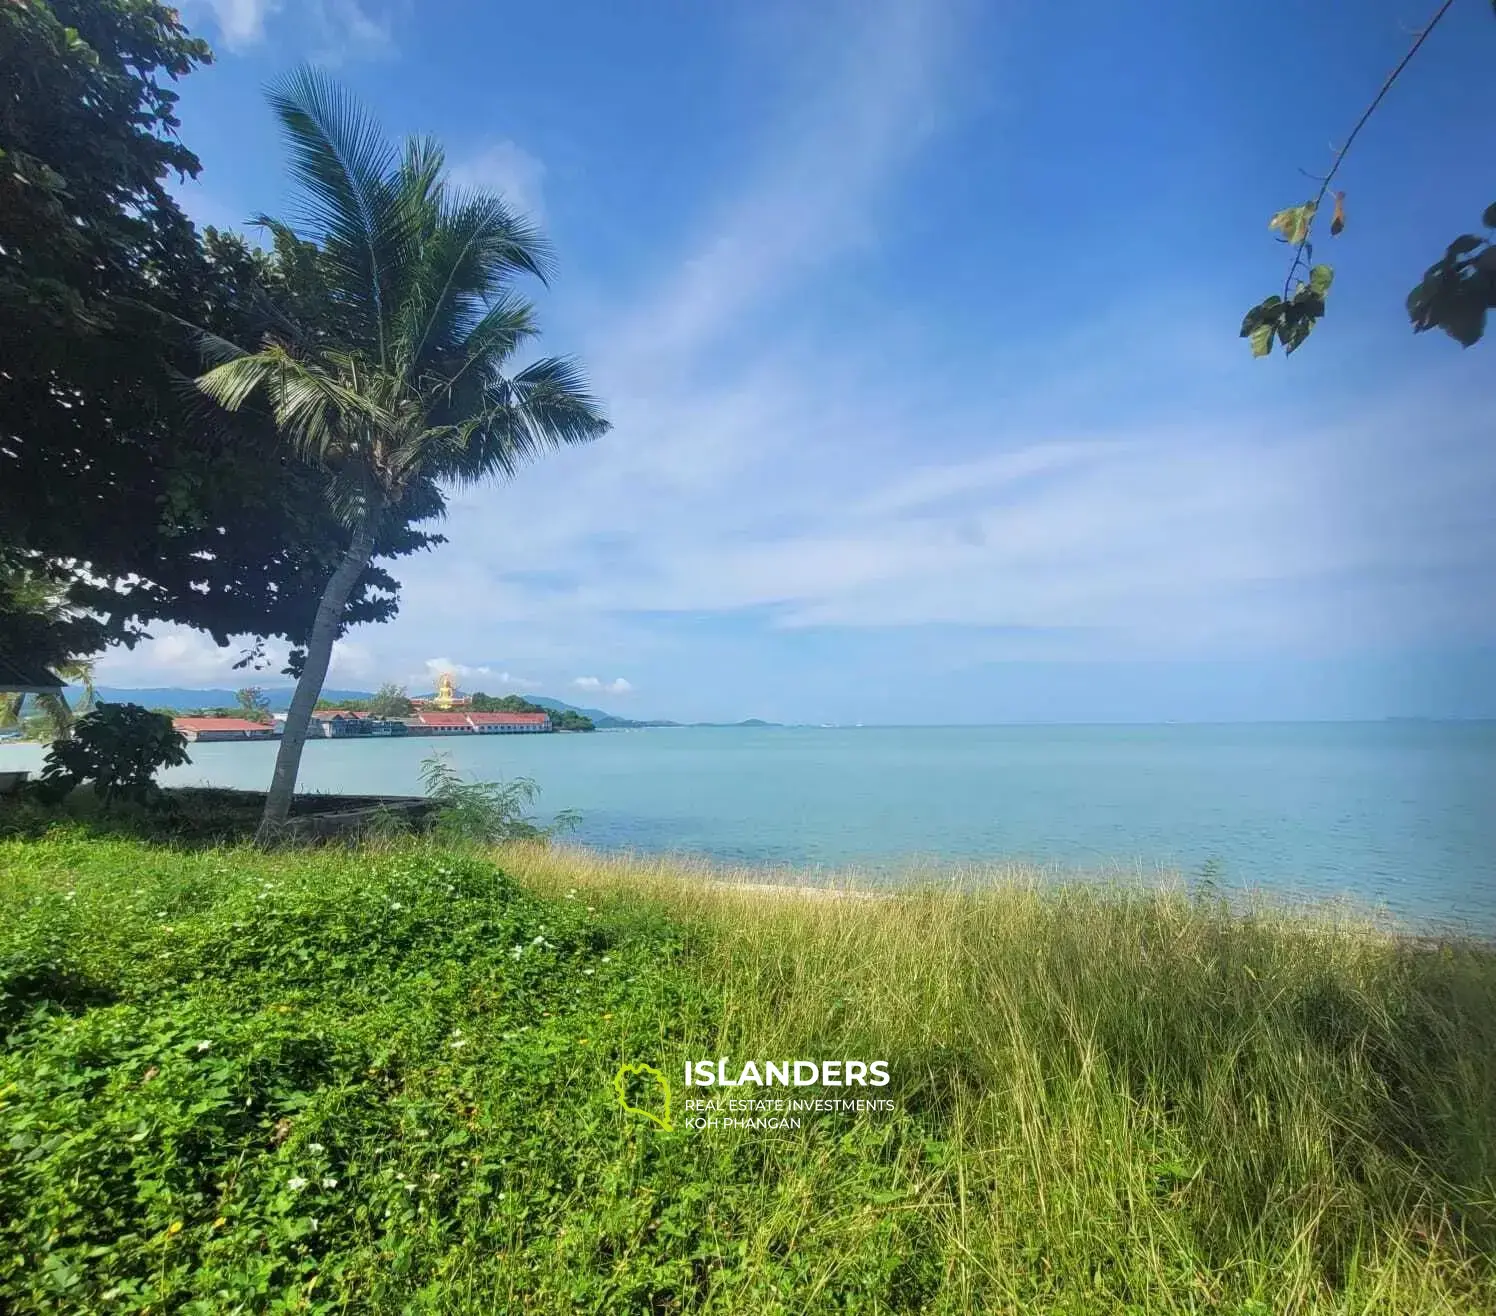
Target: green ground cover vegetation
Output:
{"points": [[380, 1080]]}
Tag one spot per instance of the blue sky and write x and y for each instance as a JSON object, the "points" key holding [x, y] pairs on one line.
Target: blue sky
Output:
{"points": [[916, 320]]}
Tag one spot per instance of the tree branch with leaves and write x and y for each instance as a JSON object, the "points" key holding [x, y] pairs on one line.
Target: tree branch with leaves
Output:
{"points": [[1454, 295]]}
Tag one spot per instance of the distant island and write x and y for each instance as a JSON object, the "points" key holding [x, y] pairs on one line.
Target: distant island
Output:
{"points": [[278, 698]]}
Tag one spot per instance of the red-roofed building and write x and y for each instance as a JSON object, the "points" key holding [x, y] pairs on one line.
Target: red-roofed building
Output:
{"points": [[440, 724], [429, 722], [510, 723], [222, 728]]}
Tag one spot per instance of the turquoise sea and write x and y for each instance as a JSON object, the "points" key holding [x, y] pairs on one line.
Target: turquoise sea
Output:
{"points": [[1400, 815]]}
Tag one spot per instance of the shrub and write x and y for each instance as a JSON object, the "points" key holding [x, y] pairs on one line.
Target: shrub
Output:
{"points": [[485, 810], [117, 747]]}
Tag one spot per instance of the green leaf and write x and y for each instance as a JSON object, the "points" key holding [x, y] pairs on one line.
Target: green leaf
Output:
{"points": [[1262, 339], [1306, 302], [1320, 278], [1463, 319], [1265, 312], [1293, 333], [1293, 223], [1463, 246], [1423, 299]]}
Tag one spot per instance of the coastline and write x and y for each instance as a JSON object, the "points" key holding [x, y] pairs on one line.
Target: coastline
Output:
{"points": [[689, 880]]}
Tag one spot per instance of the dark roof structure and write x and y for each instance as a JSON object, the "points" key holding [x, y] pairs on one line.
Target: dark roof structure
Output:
{"points": [[26, 679]]}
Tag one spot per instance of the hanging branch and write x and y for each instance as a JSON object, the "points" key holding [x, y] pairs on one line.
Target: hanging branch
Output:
{"points": [[1291, 317]]}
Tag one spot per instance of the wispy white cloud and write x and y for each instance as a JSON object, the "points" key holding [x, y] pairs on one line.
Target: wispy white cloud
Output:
{"points": [[812, 196], [352, 660], [617, 686], [347, 30], [336, 30], [435, 668], [177, 655], [240, 23], [507, 168]]}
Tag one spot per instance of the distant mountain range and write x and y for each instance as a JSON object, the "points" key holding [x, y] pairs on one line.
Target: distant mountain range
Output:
{"points": [[178, 698]]}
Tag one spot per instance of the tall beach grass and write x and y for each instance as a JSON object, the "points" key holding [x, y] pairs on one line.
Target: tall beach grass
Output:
{"points": [[1182, 1102]]}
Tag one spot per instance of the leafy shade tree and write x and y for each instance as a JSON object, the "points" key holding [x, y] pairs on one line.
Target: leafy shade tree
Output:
{"points": [[1454, 295], [405, 385], [391, 701], [135, 505], [253, 704]]}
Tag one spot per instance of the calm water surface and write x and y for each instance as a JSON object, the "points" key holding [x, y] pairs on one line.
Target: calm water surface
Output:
{"points": [[1401, 815]]}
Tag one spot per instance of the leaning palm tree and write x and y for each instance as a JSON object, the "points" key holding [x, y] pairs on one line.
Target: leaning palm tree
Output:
{"points": [[404, 383]]}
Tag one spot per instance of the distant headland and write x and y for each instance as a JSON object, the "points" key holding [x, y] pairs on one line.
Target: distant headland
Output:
{"points": [[183, 699]]}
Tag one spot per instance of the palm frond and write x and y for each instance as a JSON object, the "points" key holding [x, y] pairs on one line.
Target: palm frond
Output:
{"points": [[317, 411], [510, 243], [344, 168], [554, 397], [544, 407], [468, 256], [422, 166], [232, 382], [278, 229], [507, 324]]}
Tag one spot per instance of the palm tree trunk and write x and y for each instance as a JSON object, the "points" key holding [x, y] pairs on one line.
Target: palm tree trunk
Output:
{"points": [[313, 673]]}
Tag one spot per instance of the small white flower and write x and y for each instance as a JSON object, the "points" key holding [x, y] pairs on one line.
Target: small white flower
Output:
{"points": [[607, 959], [316, 1148], [395, 904], [329, 1182], [205, 1046], [539, 941], [296, 1183], [516, 952], [458, 1042], [587, 973]]}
